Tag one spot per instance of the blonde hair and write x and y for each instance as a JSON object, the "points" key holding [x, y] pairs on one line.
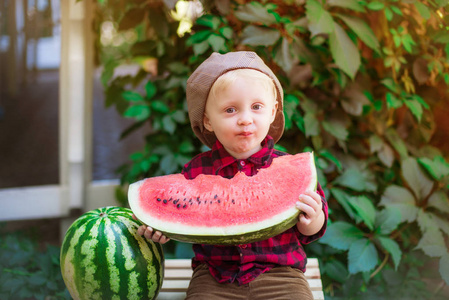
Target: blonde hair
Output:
{"points": [[228, 78]]}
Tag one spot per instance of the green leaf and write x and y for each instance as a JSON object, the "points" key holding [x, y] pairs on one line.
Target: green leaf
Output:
{"points": [[444, 267], [375, 143], [132, 96], [415, 107], [438, 168], [168, 124], [200, 48], [375, 5], [363, 31], [210, 21], [178, 67], [186, 147], [179, 116], [159, 106], [329, 156], [358, 180], [423, 10], [397, 142], [168, 164], [343, 199], [393, 248], [283, 57], [440, 201], [393, 101], [350, 4], [37, 279], [388, 219], [432, 243], [362, 256], [336, 270], [426, 221], [199, 37], [417, 180], [150, 89], [388, 13], [336, 128], [443, 224], [344, 52], [401, 198], [254, 12], [311, 124], [320, 20], [391, 85], [217, 42], [365, 209], [259, 36], [341, 235], [227, 32], [138, 112]]}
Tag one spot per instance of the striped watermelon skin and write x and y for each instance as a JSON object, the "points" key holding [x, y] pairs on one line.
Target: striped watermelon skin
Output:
{"points": [[103, 257]]}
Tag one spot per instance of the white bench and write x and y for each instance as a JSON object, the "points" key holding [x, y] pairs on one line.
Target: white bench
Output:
{"points": [[178, 273]]}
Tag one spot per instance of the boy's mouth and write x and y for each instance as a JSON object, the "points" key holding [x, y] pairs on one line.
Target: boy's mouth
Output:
{"points": [[245, 133]]}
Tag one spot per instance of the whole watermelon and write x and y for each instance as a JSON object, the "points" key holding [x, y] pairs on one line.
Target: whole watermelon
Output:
{"points": [[103, 257]]}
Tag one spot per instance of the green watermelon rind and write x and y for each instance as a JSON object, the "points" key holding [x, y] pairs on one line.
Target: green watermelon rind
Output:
{"points": [[231, 235], [244, 238], [103, 257]]}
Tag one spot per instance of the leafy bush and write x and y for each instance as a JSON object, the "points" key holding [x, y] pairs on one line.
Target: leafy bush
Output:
{"points": [[28, 273], [366, 88]]}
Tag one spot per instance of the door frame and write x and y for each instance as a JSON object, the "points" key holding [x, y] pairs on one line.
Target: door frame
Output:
{"points": [[75, 190]]}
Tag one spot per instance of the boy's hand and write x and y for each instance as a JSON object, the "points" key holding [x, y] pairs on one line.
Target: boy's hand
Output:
{"points": [[311, 218], [150, 234]]}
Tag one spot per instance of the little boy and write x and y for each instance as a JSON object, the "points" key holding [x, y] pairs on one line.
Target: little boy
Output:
{"points": [[235, 107]]}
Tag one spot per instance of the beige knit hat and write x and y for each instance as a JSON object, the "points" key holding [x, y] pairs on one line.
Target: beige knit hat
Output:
{"points": [[201, 81]]}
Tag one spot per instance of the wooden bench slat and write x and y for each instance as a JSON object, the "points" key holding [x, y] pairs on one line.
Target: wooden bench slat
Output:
{"points": [[317, 295], [178, 273], [175, 285]]}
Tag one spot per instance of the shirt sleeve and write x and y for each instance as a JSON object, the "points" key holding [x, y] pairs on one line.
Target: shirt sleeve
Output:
{"points": [[306, 239]]}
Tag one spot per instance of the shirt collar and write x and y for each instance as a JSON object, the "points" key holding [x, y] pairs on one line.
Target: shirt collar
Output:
{"points": [[221, 158]]}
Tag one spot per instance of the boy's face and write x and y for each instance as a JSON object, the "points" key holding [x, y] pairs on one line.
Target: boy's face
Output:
{"points": [[240, 116]]}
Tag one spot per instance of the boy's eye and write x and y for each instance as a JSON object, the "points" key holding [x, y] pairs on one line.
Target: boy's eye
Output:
{"points": [[257, 106], [230, 110]]}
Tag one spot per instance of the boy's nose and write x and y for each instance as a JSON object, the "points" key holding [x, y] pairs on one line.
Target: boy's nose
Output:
{"points": [[245, 118]]}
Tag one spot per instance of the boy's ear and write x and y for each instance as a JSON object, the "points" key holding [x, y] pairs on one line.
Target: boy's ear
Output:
{"points": [[274, 111], [206, 123]]}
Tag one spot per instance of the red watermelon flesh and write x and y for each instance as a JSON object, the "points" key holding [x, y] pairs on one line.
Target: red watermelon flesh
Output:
{"points": [[215, 210]]}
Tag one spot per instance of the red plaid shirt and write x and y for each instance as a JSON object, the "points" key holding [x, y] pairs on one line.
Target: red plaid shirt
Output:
{"points": [[243, 263]]}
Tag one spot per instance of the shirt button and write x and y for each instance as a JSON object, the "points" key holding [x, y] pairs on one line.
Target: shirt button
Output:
{"points": [[242, 163], [241, 254]]}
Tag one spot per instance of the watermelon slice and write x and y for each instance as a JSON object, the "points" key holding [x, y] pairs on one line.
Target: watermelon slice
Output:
{"points": [[211, 209]]}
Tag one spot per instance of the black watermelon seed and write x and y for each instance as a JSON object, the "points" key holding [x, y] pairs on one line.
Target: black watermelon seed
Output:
{"points": [[219, 201], [178, 206], [233, 201], [198, 199], [165, 201], [159, 199], [216, 196], [184, 206]]}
